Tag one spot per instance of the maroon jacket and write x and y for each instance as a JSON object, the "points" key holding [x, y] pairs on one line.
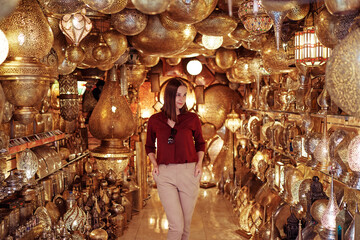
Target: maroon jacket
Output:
{"points": [[188, 138]]}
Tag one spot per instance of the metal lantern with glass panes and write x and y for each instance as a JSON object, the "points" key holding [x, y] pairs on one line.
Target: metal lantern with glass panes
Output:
{"points": [[309, 51]]}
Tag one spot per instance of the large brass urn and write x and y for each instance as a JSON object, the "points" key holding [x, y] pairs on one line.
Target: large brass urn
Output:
{"points": [[25, 80], [112, 121]]}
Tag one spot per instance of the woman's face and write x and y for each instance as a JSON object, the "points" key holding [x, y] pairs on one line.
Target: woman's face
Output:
{"points": [[180, 99]]}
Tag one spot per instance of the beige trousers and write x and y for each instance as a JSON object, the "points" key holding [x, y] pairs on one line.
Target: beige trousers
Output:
{"points": [[178, 190]]}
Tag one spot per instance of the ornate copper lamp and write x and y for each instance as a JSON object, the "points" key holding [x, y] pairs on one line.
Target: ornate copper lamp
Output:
{"points": [[112, 121]]}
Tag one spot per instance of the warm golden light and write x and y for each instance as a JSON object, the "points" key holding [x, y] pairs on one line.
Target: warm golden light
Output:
{"points": [[212, 42], [194, 67], [233, 122], [4, 46]]}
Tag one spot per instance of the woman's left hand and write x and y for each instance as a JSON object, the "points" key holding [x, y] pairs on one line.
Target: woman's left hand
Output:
{"points": [[198, 169]]}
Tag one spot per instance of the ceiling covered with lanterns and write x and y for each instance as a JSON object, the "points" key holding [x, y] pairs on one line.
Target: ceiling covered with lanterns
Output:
{"points": [[236, 41]]}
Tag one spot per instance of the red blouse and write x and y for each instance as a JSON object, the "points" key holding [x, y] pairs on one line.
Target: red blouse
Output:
{"points": [[188, 138]]}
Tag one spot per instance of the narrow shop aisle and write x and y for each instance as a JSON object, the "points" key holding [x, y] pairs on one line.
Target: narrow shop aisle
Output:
{"points": [[213, 219]]}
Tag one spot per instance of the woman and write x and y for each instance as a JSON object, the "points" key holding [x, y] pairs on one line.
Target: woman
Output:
{"points": [[177, 165]]}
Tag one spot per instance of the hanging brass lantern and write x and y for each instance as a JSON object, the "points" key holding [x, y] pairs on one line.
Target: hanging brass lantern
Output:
{"points": [[278, 61], [112, 121], [148, 60], [190, 11], [98, 5], [116, 42], [136, 74], [157, 40], [61, 7], [75, 26], [331, 29], [255, 22], [218, 101], [27, 31], [298, 12], [217, 24], [69, 98], [225, 58], [129, 21], [115, 7], [151, 6]]}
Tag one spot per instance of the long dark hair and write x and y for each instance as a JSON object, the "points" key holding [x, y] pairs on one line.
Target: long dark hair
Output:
{"points": [[169, 107]]}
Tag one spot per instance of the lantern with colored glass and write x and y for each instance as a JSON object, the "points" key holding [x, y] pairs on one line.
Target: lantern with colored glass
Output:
{"points": [[309, 51], [254, 17]]}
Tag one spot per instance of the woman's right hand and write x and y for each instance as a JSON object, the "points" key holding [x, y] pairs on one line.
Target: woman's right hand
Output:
{"points": [[156, 170]]}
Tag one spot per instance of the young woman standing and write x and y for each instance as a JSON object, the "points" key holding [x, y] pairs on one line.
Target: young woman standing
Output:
{"points": [[175, 146]]}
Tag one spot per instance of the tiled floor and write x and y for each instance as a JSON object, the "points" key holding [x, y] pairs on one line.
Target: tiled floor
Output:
{"points": [[212, 220]]}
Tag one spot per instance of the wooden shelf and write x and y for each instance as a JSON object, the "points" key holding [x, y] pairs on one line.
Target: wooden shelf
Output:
{"points": [[20, 144]]}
